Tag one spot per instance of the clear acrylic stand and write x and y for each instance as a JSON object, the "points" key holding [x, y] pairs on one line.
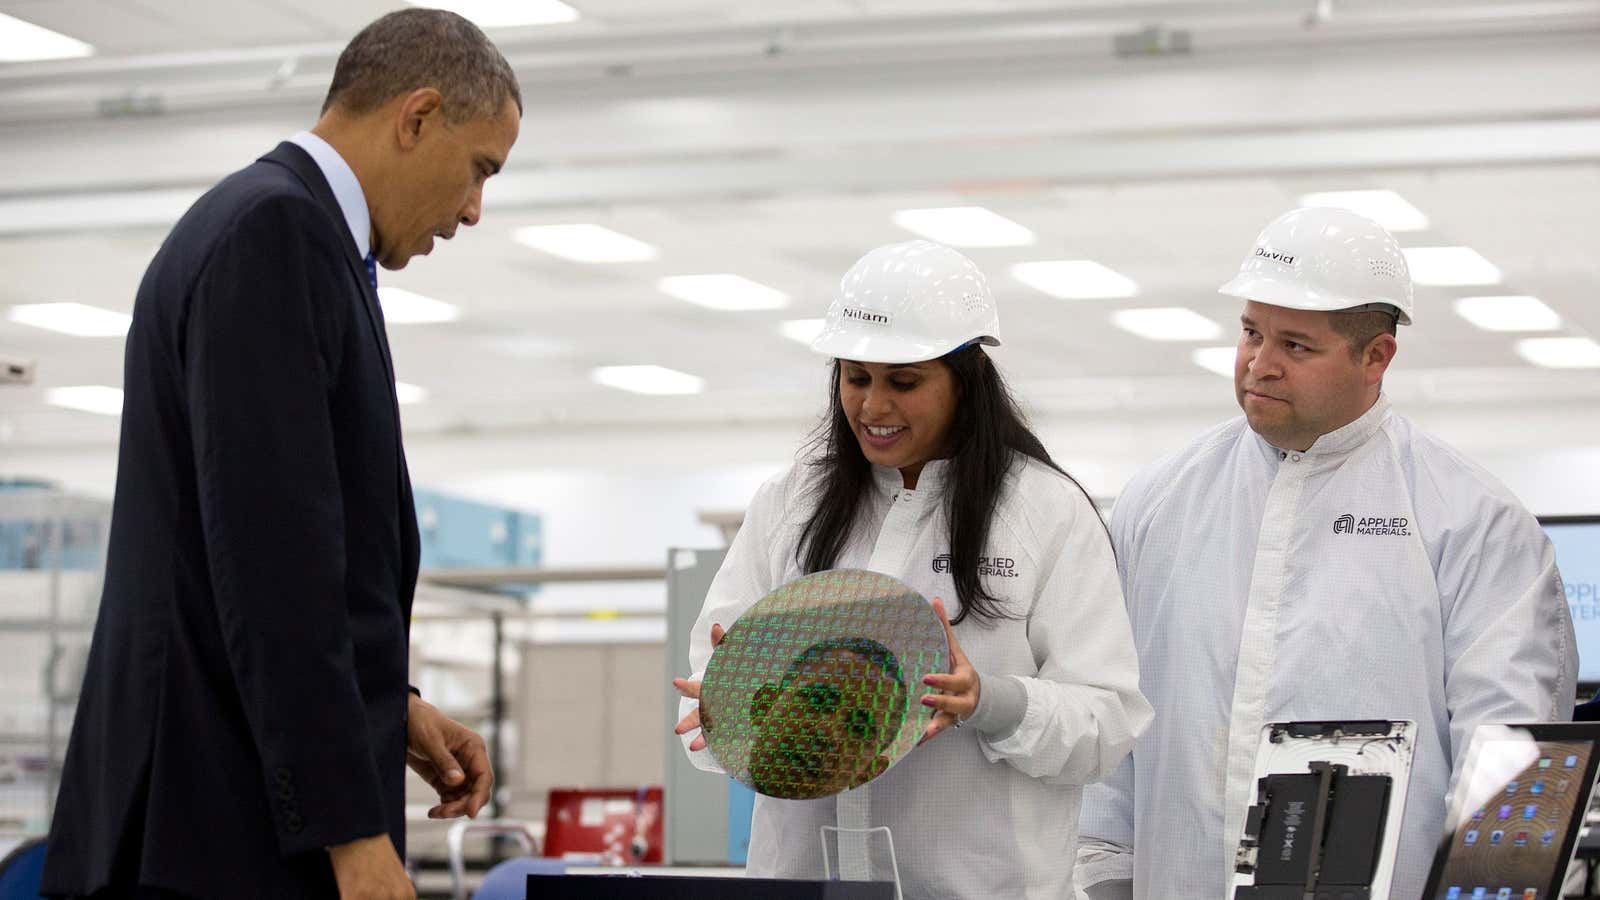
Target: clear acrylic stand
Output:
{"points": [[858, 864]]}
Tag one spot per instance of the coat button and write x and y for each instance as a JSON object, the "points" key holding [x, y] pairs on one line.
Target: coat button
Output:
{"points": [[292, 823], [283, 776], [285, 792]]}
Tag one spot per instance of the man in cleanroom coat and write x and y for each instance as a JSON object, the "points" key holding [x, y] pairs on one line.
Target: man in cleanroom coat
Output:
{"points": [[1317, 558]]}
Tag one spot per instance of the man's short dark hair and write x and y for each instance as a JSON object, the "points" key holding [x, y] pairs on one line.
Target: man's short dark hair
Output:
{"points": [[417, 48], [1360, 327]]}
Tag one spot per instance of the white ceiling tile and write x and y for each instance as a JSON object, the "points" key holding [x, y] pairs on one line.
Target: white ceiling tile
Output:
{"points": [[339, 20], [1177, 240], [236, 23], [111, 28]]}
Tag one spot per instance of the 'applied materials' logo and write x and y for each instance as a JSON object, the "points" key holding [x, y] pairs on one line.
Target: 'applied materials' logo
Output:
{"points": [[1399, 526], [990, 566]]}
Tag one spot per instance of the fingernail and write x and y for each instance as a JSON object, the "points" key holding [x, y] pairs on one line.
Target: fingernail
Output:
{"points": [[927, 679], [454, 775], [927, 701]]}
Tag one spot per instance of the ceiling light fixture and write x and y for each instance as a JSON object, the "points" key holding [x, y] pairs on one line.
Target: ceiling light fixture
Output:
{"points": [[723, 291], [654, 380], [505, 13], [585, 243], [76, 319], [1074, 279], [1387, 208], [1167, 323], [964, 226]]}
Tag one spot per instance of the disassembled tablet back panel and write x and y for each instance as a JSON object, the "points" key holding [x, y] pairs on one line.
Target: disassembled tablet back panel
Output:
{"points": [[1325, 825]]}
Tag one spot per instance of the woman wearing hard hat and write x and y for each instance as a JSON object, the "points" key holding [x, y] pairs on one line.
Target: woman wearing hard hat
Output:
{"points": [[923, 469]]}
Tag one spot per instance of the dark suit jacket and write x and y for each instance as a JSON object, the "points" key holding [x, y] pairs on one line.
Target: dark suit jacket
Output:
{"points": [[245, 699]]}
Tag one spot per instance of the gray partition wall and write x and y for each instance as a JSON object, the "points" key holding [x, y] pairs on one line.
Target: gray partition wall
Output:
{"points": [[696, 802]]}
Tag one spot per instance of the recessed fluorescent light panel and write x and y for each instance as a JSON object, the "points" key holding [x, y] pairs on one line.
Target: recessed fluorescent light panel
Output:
{"points": [[1384, 207], [584, 243], [505, 13], [1167, 323], [1508, 313], [657, 380], [25, 42], [1561, 352], [403, 307], [1450, 266], [1074, 279], [964, 226], [91, 398], [723, 291], [408, 394], [1216, 359], [76, 319], [41, 213], [803, 330]]}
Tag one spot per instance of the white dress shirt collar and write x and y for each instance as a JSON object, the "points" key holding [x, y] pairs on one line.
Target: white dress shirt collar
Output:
{"points": [[346, 188]]}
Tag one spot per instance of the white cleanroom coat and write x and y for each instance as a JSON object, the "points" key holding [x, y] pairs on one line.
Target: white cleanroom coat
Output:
{"points": [[1377, 575], [973, 814]]}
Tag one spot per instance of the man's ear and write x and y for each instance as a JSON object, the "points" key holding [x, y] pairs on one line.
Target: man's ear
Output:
{"points": [[416, 112], [1379, 354], [762, 702]]}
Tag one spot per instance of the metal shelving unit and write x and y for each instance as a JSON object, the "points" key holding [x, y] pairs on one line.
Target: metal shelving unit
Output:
{"points": [[52, 556], [498, 596]]}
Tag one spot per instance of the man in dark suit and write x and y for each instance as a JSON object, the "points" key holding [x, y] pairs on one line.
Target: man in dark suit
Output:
{"points": [[245, 721]]}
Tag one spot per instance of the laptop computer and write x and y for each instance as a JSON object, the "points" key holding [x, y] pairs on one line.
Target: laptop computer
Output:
{"points": [[1515, 813]]}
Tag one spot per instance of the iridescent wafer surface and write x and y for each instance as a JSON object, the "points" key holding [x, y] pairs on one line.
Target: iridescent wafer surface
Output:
{"points": [[816, 689]]}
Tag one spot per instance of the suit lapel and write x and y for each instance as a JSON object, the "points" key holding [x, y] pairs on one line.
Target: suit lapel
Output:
{"points": [[298, 161]]}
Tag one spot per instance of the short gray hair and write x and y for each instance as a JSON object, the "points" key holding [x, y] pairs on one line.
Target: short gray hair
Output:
{"points": [[417, 48]]}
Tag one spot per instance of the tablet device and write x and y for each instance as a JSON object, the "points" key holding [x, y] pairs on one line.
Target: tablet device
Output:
{"points": [[1515, 813]]}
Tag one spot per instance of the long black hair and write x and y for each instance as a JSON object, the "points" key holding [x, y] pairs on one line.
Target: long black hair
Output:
{"points": [[987, 433]]}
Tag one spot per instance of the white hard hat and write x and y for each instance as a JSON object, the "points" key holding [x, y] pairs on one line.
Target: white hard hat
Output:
{"points": [[1325, 259], [906, 303]]}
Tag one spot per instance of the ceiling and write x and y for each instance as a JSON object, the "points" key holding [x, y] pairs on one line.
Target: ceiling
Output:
{"points": [[122, 27], [532, 326]]}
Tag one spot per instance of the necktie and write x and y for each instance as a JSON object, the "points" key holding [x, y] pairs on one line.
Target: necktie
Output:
{"points": [[372, 272]]}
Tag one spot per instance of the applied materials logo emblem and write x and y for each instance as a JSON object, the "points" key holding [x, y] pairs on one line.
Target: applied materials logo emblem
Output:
{"points": [[1372, 526]]}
